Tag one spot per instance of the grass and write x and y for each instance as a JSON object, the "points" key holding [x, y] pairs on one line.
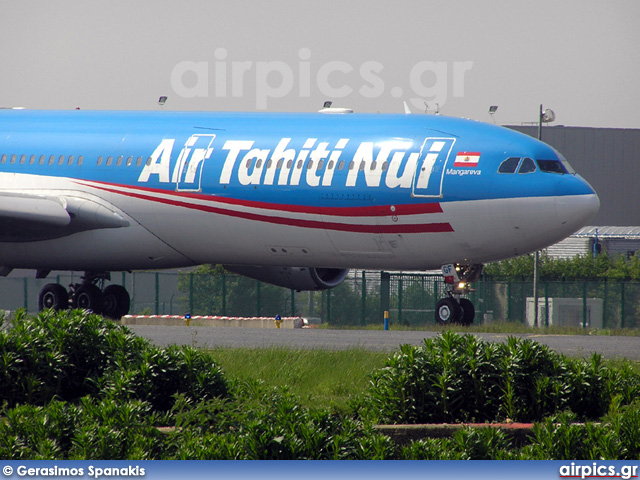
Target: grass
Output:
{"points": [[326, 379], [319, 379], [498, 327]]}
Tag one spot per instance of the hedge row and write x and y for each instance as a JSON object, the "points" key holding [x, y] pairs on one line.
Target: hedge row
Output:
{"points": [[76, 386], [455, 378]]}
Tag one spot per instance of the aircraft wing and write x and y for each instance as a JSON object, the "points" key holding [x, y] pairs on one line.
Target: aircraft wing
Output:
{"points": [[31, 217]]}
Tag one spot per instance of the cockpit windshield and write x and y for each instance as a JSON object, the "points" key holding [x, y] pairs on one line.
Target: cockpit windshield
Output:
{"points": [[552, 166], [560, 166]]}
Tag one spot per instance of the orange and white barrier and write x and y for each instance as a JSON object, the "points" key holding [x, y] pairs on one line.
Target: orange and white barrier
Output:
{"points": [[214, 321]]}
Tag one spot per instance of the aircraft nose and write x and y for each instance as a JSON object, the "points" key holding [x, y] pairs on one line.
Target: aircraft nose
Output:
{"points": [[575, 211]]}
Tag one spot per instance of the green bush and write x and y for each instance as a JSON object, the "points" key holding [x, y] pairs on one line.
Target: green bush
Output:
{"points": [[98, 430], [263, 424], [455, 378], [68, 355], [160, 374]]}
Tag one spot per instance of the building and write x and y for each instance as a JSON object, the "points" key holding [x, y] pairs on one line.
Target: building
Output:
{"points": [[609, 159]]}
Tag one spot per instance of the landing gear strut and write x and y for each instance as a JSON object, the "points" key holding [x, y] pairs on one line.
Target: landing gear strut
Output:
{"points": [[455, 308], [112, 301]]}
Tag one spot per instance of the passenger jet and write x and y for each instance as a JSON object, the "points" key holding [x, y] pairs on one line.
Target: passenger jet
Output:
{"points": [[291, 199]]}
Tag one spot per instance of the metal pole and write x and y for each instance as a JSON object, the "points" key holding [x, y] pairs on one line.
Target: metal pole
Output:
{"points": [[540, 123], [621, 304], [546, 304], [535, 289], [328, 305], [363, 300], [224, 294], [400, 286], [584, 304], [191, 293], [535, 258], [157, 293], [258, 297], [26, 293], [604, 303]]}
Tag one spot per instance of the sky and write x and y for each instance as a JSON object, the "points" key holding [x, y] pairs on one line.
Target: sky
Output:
{"points": [[578, 57]]}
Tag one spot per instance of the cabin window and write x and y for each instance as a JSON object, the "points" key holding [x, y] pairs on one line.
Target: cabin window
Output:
{"points": [[41, 161], [119, 161], [100, 159], [23, 158], [552, 166], [52, 159], [70, 161], [4, 158], [80, 160], [109, 161], [509, 165], [13, 158], [527, 166], [32, 159]]}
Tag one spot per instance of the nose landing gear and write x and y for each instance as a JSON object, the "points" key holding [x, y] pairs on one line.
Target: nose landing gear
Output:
{"points": [[113, 301], [455, 308]]}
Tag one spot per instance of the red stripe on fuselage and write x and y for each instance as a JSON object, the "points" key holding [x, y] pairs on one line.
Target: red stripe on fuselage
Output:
{"points": [[374, 211]]}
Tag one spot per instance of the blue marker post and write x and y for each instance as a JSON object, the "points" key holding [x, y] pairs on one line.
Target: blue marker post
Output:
{"points": [[386, 319]]}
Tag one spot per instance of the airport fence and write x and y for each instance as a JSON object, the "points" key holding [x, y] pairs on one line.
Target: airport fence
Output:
{"points": [[361, 299]]}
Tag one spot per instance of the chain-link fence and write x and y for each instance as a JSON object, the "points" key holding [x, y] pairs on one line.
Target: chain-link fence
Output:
{"points": [[361, 299]]}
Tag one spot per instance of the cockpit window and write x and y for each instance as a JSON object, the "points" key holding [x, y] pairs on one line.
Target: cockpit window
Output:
{"points": [[552, 166], [527, 166], [509, 165], [565, 162]]}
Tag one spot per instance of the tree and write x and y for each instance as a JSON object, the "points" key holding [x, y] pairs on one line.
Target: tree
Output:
{"points": [[211, 290]]}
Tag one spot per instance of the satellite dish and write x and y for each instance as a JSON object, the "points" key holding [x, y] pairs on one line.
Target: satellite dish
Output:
{"points": [[548, 116]]}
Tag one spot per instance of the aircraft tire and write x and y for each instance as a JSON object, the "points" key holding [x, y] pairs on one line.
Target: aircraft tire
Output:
{"points": [[116, 302], [53, 296], [88, 297], [468, 311], [448, 311]]}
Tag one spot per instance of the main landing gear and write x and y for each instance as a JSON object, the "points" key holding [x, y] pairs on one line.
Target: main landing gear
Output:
{"points": [[111, 301], [454, 308]]}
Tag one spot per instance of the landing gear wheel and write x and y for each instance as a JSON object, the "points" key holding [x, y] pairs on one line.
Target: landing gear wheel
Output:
{"points": [[53, 296], [116, 302], [447, 311], [468, 311], [88, 297]]}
